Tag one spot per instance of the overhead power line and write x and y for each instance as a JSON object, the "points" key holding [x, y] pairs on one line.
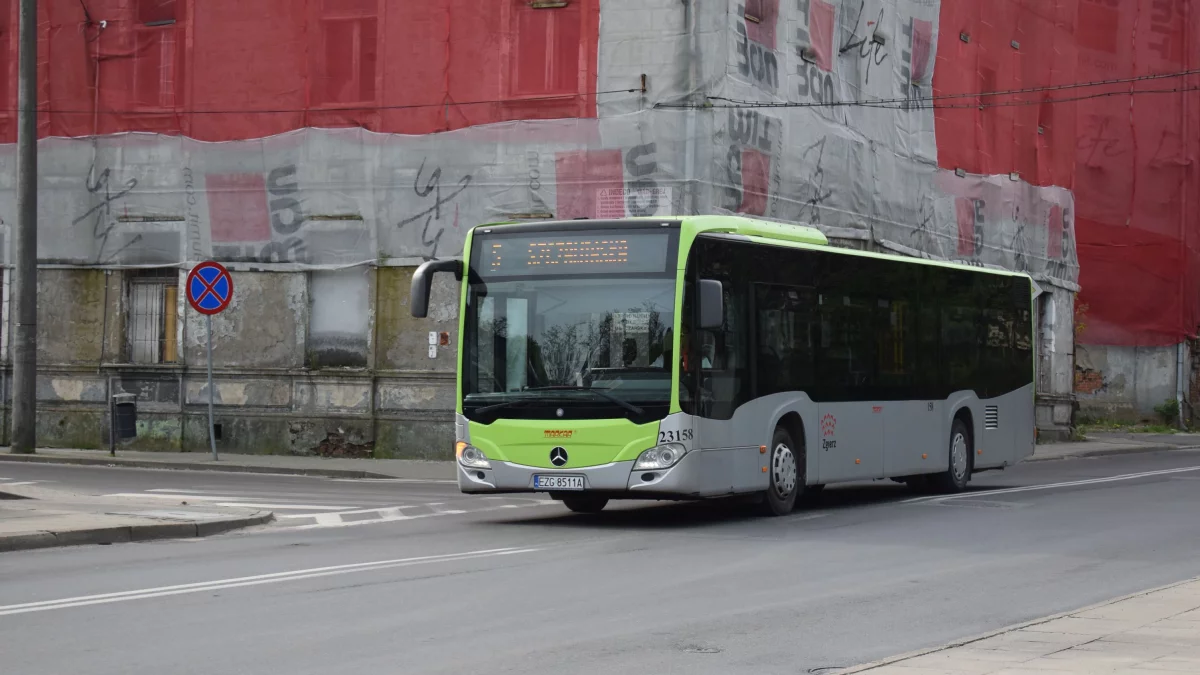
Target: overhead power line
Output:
{"points": [[932, 102]]}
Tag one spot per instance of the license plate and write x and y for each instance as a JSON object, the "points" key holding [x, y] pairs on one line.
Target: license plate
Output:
{"points": [[558, 482]]}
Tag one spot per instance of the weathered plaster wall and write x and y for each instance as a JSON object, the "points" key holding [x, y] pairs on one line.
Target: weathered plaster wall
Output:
{"points": [[71, 311], [292, 367], [264, 326], [403, 340], [1054, 412], [1124, 383]]}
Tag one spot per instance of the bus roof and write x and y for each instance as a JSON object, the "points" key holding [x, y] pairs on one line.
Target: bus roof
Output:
{"points": [[760, 231]]}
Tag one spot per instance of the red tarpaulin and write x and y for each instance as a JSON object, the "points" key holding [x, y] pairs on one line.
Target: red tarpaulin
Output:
{"points": [[1129, 158], [219, 70]]}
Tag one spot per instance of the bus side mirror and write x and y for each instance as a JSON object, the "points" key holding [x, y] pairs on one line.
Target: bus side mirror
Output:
{"points": [[712, 304], [422, 283]]}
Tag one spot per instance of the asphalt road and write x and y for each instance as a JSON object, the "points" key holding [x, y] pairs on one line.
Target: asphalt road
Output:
{"points": [[867, 572]]}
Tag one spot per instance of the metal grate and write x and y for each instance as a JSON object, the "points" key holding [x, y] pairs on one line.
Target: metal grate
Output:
{"points": [[153, 317], [991, 417]]}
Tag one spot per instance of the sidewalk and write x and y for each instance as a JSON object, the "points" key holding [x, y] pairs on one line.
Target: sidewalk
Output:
{"points": [[277, 464], [1115, 444], [38, 518], [1153, 632]]}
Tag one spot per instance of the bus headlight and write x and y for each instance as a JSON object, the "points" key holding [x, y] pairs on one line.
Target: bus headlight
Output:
{"points": [[662, 456], [471, 456]]}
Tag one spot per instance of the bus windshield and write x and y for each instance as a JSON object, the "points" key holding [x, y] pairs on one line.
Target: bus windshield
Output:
{"points": [[591, 345]]}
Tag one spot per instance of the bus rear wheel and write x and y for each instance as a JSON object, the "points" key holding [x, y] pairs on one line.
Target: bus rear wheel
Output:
{"points": [[585, 504], [786, 474], [958, 472]]}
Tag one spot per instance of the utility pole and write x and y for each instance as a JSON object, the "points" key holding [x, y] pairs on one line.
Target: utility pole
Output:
{"points": [[24, 389]]}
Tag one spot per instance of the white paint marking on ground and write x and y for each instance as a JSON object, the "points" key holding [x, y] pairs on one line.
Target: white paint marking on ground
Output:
{"points": [[1051, 486], [175, 491], [182, 497], [430, 481], [284, 507], [354, 512], [238, 582], [388, 515], [24, 482]]}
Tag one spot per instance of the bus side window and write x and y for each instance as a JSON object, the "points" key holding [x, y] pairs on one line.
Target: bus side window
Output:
{"points": [[784, 331]]}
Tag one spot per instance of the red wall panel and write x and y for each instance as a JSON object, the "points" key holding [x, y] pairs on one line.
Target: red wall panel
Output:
{"points": [[231, 69]]}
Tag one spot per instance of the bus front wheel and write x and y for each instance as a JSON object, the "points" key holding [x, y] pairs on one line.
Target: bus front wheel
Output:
{"points": [[585, 504], [786, 472]]}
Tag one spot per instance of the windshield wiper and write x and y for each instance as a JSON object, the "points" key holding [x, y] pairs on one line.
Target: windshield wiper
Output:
{"points": [[499, 406], [609, 397]]}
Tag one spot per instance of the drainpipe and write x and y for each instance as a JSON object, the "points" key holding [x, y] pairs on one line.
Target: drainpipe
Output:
{"points": [[1179, 359]]}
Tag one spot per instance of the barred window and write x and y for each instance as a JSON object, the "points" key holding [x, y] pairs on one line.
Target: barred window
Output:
{"points": [[153, 317]]}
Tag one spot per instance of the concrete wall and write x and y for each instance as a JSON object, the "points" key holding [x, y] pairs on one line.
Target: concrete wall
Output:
{"points": [[1055, 402], [1124, 383]]}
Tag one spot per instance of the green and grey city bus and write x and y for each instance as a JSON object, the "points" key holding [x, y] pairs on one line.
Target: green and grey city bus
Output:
{"points": [[698, 357]]}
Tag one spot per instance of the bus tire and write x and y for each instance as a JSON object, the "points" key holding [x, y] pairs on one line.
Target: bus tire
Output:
{"points": [[786, 475], [585, 504], [961, 453]]}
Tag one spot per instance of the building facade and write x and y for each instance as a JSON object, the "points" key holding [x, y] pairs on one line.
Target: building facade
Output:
{"points": [[323, 148]]}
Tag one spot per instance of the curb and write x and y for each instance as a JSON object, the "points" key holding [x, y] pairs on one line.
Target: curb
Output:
{"points": [[192, 466], [891, 660], [1117, 450], [131, 533]]}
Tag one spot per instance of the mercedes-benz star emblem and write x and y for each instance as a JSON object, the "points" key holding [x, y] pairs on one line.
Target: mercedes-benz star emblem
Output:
{"points": [[559, 412], [558, 457]]}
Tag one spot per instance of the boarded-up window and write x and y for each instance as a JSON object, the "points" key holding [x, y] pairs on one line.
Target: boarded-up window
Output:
{"points": [[153, 317], [156, 53], [546, 48], [339, 322], [348, 53]]}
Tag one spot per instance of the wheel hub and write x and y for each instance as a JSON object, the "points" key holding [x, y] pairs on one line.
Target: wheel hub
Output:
{"points": [[783, 470], [958, 456]]}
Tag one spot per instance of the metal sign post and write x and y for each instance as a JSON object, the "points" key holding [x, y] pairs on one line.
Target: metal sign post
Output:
{"points": [[209, 291]]}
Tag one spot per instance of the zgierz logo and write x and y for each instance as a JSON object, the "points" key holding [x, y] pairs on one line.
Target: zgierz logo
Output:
{"points": [[828, 428]]}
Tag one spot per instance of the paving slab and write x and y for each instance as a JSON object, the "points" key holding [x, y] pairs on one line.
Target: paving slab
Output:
{"points": [[33, 517], [1151, 632]]}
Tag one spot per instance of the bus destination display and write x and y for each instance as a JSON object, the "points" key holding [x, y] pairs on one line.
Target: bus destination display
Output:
{"points": [[622, 252]]}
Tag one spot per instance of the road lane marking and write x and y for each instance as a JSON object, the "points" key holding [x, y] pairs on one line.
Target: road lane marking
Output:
{"points": [[194, 498], [1049, 486], [238, 582], [24, 482], [175, 491]]}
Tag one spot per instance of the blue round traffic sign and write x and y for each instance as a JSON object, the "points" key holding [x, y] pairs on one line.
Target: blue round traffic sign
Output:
{"points": [[209, 288]]}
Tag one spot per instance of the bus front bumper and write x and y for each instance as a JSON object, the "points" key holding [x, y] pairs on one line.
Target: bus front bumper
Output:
{"points": [[616, 481]]}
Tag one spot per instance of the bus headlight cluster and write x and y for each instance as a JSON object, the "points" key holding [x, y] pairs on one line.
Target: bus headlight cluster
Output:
{"points": [[662, 456], [471, 456]]}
